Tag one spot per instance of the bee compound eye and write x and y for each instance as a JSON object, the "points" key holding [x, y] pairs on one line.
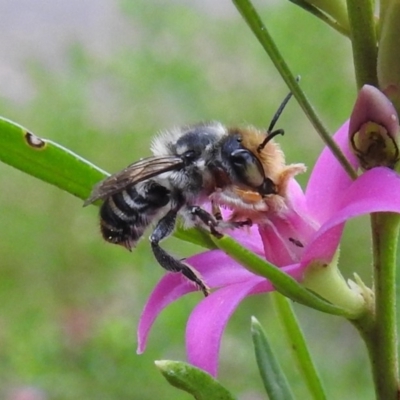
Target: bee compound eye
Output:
{"points": [[241, 158], [248, 168]]}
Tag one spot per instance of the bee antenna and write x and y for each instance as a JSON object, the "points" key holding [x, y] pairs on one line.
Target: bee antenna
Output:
{"points": [[270, 133]]}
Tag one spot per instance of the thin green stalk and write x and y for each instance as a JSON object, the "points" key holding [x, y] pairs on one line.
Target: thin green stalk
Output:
{"points": [[252, 18], [299, 346], [364, 41], [385, 230], [378, 327]]}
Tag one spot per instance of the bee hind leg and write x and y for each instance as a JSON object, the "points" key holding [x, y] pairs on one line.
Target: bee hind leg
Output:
{"points": [[162, 230]]}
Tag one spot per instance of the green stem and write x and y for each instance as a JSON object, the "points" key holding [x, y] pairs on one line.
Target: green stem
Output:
{"points": [[388, 55], [299, 346], [364, 41], [385, 229], [305, 5], [383, 8], [379, 329], [252, 18]]}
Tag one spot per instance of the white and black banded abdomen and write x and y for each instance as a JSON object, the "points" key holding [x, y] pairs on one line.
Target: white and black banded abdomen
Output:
{"points": [[124, 216]]}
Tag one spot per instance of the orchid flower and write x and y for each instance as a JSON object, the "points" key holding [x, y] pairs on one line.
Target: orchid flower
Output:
{"points": [[308, 234]]}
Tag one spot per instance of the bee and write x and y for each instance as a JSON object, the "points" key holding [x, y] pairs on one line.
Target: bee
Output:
{"points": [[241, 169]]}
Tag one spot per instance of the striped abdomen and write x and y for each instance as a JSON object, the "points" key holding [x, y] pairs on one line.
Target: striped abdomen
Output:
{"points": [[124, 216]]}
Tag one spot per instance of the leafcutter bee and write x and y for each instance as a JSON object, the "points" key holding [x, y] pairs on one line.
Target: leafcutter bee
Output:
{"points": [[242, 169]]}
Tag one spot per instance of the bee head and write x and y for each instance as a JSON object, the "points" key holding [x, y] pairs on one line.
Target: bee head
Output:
{"points": [[244, 166]]}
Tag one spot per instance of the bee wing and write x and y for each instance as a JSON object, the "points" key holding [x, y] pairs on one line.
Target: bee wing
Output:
{"points": [[139, 171]]}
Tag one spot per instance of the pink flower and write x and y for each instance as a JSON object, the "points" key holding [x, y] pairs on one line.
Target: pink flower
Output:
{"points": [[310, 231]]}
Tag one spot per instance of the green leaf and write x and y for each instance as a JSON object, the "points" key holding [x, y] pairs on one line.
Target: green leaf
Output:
{"points": [[298, 345], [282, 282], [275, 382], [193, 380], [47, 160]]}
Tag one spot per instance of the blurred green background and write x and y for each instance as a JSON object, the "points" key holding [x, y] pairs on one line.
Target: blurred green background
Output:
{"points": [[101, 78]]}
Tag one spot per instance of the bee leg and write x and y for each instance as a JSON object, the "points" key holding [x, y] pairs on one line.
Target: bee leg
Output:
{"points": [[212, 222], [207, 219], [162, 230], [216, 211], [224, 225]]}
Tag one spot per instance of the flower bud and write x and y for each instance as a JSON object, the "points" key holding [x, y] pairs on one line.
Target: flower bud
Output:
{"points": [[373, 129]]}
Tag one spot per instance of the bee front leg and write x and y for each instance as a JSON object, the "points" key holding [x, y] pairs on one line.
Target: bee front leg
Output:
{"points": [[212, 222], [207, 219], [163, 229], [232, 224]]}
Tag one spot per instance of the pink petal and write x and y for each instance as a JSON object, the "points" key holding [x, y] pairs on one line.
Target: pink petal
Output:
{"points": [[377, 190], [169, 289], [276, 245], [296, 198], [324, 245], [300, 217], [328, 179], [284, 237], [208, 320], [249, 238], [217, 269]]}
